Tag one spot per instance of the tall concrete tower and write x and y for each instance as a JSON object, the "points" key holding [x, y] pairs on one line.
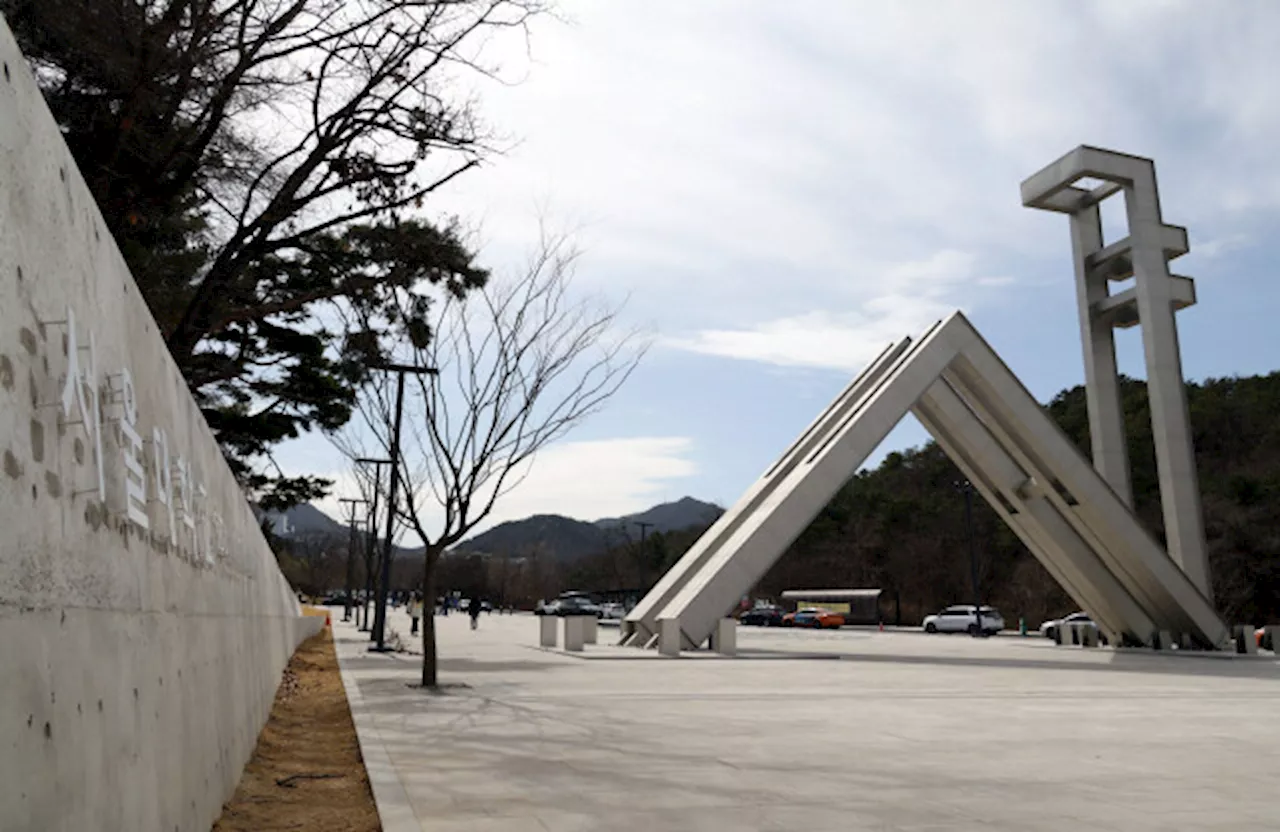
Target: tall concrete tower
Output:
{"points": [[1076, 185]]}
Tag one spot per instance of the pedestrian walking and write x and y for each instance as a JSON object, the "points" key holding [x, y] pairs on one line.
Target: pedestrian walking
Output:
{"points": [[474, 609], [415, 612]]}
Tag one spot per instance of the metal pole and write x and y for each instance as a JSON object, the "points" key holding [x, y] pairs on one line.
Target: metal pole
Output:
{"points": [[373, 542], [380, 614], [351, 560], [973, 555], [371, 559], [644, 530]]}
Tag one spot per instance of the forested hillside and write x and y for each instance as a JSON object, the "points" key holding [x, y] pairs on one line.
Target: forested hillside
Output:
{"points": [[901, 526]]}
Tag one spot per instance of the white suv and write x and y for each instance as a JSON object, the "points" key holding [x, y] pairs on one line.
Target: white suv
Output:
{"points": [[961, 619]]}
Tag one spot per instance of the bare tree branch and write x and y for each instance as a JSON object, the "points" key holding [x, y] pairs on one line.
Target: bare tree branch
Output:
{"points": [[519, 364]]}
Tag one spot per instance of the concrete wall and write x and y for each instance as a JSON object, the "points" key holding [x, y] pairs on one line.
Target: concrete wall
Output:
{"points": [[143, 622]]}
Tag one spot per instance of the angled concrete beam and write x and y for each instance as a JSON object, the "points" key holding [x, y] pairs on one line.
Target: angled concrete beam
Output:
{"points": [[1020, 461], [641, 624], [1033, 517], [761, 537], [1129, 549]]}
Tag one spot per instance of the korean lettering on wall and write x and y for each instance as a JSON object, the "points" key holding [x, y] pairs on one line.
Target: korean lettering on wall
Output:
{"points": [[143, 479]]}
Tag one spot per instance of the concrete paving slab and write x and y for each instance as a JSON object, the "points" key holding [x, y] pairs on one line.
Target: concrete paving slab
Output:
{"points": [[852, 729]]}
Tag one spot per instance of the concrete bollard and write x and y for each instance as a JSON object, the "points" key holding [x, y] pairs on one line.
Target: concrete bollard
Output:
{"points": [[1161, 640], [1088, 636], [575, 629], [1066, 634], [547, 627], [669, 636], [1271, 638], [591, 629], [725, 639], [1246, 643]]}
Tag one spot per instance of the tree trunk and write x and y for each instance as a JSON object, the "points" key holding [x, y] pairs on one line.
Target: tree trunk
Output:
{"points": [[429, 676]]}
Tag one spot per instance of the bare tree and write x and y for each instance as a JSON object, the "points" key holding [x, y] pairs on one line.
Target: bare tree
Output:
{"points": [[259, 161], [520, 363]]}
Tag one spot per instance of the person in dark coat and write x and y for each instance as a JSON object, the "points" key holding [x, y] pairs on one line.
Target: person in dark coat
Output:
{"points": [[473, 608]]}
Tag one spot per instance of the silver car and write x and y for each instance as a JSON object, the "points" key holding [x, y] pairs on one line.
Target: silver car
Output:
{"points": [[1049, 629], [961, 618]]}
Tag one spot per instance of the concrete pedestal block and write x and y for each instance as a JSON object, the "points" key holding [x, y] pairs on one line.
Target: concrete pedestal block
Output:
{"points": [[547, 630], [591, 629], [669, 636], [1088, 636], [1161, 640], [1271, 639], [575, 628], [1246, 642], [725, 639], [1064, 635]]}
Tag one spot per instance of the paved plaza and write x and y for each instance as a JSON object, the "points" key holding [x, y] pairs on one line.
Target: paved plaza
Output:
{"points": [[850, 730]]}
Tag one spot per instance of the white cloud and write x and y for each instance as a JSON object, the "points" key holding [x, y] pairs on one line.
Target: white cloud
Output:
{"points": [[698, 142], [902, 300], [801, 184], [1219, 246], [588, 479]]}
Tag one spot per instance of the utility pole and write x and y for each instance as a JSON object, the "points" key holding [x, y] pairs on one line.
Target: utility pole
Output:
{"points": [[644, 529], [380, 613], [351, 558], [966, 488], [372, 547]]}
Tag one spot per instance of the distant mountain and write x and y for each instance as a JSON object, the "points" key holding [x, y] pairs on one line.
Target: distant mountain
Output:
{"points": [[564, 538], [304, 519], [556, 536], [668, 517], [560, 537]]}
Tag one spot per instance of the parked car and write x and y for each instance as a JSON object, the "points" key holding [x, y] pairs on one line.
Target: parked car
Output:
{"points": [[961, 618], [569, 606], [762, 617], [1049, 629], [818, 619], [613, 611]]}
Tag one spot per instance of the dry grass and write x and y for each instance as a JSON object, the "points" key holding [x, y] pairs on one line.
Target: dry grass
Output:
{"points": [[306, 772]]}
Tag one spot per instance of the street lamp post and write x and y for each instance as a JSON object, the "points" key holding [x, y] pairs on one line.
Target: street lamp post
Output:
{"points": [[966, 488], [351, 558], [380, 613], [372, 549]]}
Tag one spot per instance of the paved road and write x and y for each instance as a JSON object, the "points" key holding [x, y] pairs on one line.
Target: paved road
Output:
{"points": [[844, 730]]}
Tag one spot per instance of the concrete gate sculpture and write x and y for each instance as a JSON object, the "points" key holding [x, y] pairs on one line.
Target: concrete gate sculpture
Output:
{"points": [[1075, 518]]}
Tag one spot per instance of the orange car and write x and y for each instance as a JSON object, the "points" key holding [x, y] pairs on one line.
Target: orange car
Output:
{"points": [[814, 617]]}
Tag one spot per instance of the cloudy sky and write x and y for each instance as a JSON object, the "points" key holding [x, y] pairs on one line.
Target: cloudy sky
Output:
{"points": [[780, 189]]}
